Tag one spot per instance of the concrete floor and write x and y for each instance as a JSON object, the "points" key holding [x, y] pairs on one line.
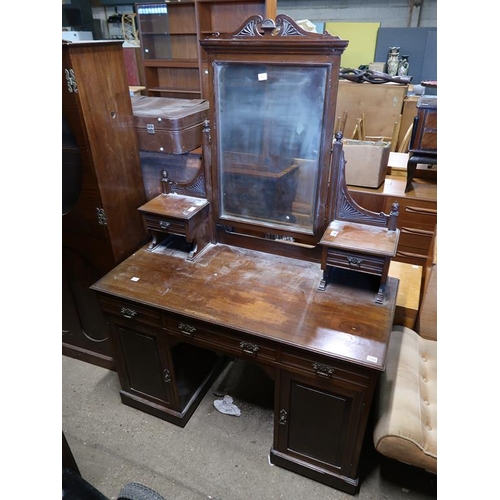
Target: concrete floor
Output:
{"points": [[216, 456]]}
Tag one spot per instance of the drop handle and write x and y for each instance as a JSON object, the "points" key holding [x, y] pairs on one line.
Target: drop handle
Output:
{"points": [[186, 329], [354, 261], [128, 313], [323, 370], [164, 224], [248, 348]]}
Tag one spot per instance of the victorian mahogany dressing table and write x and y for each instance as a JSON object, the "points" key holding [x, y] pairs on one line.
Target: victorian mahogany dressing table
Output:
{"points": [[273, 185]]}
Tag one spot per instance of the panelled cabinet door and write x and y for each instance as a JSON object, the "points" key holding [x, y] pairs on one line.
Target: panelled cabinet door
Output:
{"points": [[137, 347], [97, 113], [83, 218], [318, 422]]}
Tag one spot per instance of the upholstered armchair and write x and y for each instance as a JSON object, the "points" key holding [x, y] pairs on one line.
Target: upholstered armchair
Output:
{"points": [[405, 427]]}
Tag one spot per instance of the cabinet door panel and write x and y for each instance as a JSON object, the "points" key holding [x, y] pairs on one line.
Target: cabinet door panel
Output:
{"points": [[329, 414], [318, 422], [137, 349], [137, 346]]}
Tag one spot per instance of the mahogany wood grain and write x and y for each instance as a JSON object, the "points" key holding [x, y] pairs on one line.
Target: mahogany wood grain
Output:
{"points": [[103, 227], [268, 296], [324, 349]]}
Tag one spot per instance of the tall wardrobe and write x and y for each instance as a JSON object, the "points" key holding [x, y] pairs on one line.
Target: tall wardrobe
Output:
{"points": [[102, 188]]}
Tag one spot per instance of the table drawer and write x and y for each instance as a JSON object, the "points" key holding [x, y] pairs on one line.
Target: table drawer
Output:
{"points": [[324, 368], [166, 224], [130, 311], [352, 260], [222, 339]]}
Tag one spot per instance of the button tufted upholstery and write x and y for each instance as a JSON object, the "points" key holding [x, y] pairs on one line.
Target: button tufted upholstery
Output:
{"points": [[406, 427]]}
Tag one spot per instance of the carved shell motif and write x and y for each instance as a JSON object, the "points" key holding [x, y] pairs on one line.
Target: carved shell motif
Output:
{"points": [[257, 26]]}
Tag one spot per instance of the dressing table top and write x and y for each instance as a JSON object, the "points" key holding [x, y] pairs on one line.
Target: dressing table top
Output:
{"points": [[269, 296]]}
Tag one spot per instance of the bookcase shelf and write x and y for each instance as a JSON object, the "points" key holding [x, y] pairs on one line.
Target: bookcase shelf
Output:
{"points": [[174, 63]]}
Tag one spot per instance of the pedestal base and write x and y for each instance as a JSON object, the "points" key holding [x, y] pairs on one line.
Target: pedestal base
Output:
{"points": [[318, 474]]}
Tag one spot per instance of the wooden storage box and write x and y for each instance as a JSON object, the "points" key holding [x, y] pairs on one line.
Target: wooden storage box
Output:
{"points": [[166, 125], [408, 297], [366, 162]]}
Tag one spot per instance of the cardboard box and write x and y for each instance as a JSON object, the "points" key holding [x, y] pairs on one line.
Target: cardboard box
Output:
{"points": [[366, 162], [381, 104]]}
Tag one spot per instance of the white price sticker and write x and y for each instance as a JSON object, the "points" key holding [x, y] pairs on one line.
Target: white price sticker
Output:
{"points": [[262, 77]]}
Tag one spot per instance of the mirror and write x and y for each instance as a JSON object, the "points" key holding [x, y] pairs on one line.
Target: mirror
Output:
{"points": [[270, 120], [269, 144]]}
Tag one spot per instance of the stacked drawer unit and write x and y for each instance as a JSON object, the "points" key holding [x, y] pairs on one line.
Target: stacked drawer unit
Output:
{"points": [[417, 214], [417, 222]]}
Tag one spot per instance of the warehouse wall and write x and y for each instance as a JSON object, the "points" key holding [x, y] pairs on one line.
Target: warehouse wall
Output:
{"points": [[390, 13]]}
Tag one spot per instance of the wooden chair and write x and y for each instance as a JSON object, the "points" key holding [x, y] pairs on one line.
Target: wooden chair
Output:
{"points": [[395, 134], [340, 124], [359, 132], [405, 143]]}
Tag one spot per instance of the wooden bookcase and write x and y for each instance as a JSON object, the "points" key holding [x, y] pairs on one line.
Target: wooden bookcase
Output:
{"points": [[169, 49], [225, 16], [174, 63]]}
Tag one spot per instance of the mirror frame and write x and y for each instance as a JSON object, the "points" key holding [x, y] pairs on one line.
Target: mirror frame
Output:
{"points": [[269, 42]]}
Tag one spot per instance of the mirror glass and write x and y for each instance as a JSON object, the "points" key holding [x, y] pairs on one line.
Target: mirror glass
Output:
{"points": [[270, 121]]}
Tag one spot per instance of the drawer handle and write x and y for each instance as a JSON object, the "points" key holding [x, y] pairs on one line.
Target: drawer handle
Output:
{"points": [[411, 255], [166, 376], [323, 370], [420, 210], [164, 224], [128, 313], [187, 329], [248, 348], [354, 261], [422, 232]]}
